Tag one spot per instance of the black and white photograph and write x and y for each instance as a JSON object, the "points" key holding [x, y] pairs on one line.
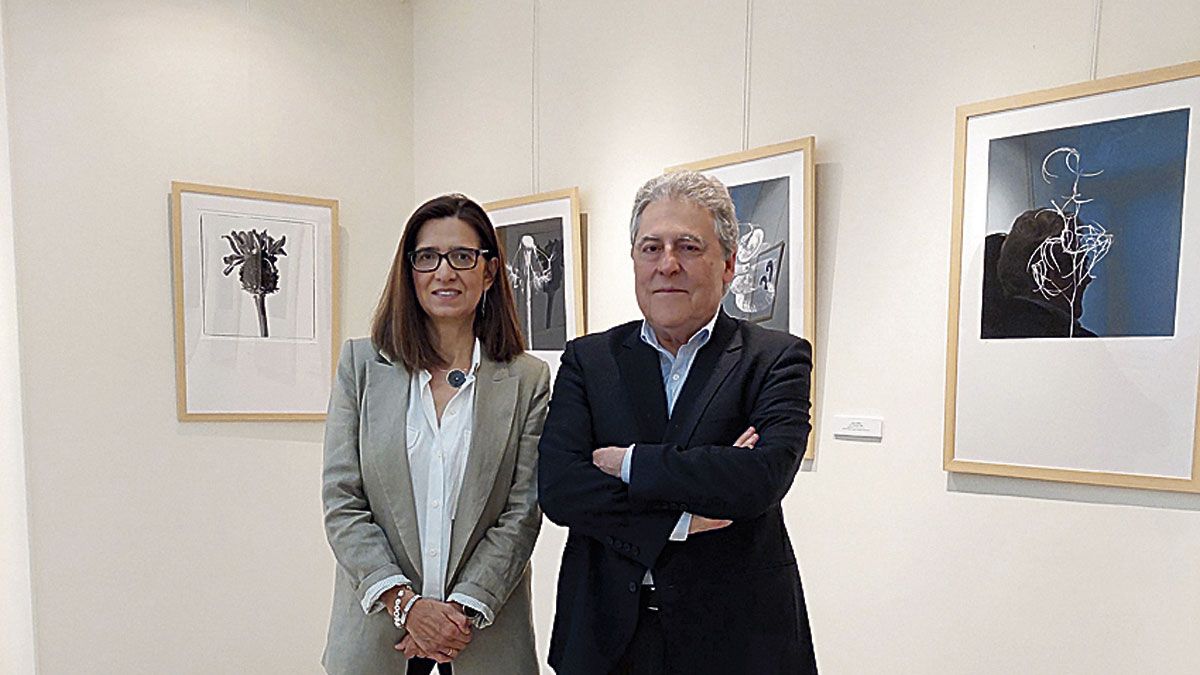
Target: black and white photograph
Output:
{"points": [[259, 277], [542, 239], [256, 314], [534, 255]]}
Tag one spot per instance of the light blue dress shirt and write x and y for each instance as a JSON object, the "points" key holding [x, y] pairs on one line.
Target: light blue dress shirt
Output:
{"points": [[675, 369]]}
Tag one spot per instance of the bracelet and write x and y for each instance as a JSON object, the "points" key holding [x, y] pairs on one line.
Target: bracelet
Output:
{"points": [[407, 607], [397, 616]]}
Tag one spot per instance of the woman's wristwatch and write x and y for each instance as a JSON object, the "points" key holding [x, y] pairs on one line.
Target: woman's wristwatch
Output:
{"points": [[473, 615]]}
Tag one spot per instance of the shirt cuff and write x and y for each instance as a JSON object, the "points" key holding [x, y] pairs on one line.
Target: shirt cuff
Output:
{"points": [[680, 532], [627, 464], [485, 618], [370, 601]]}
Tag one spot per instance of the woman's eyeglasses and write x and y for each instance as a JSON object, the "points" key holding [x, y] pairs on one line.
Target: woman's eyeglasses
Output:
{"points": [[428, 259]]}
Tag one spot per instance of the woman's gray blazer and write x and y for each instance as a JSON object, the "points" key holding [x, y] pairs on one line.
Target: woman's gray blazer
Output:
{"points": [[371, 520]]}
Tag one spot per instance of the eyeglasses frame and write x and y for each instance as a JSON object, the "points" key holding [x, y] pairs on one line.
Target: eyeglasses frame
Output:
{"points": [[445, 257]]}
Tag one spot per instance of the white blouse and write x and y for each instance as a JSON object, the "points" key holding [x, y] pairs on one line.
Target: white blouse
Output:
{"points": [[437, 460]]}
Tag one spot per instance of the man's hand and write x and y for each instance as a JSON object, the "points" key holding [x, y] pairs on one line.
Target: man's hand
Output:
{"points": [[748, 438], [437, 630], [702, 524], [609, 460]]}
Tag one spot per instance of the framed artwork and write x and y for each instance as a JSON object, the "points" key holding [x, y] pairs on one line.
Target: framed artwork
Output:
{"points": [[774, 196], [542, 240], [772, 188], [256, 312], [1074, 331]]}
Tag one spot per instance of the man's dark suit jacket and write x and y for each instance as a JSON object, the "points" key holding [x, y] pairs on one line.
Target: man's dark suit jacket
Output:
{"points": [[731, 600]]}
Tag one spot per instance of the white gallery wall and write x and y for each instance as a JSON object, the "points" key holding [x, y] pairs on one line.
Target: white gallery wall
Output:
{"points": [[906, 570], [157, 546], [16, 598], [161, 547]]}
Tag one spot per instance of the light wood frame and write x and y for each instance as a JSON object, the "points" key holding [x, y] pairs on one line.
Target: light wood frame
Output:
{"points": [[808, 318], [577, 243], [964, 114], [178, 188]]}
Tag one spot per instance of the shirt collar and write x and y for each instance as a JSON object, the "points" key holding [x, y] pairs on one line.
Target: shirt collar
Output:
{"points": [[699, 338]]}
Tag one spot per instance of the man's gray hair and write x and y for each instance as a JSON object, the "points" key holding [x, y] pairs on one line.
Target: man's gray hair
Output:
{"points": [[689, 186]]}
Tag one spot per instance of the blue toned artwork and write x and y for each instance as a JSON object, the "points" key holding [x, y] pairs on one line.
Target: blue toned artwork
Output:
{"points": [[1084, 226], [759, 290]]}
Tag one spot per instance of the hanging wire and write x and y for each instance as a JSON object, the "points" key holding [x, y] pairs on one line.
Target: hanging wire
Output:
{"points": [[535, 118], [746, 77]]}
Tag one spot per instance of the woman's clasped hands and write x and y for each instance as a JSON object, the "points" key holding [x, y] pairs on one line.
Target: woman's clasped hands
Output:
{"points": [[436, 630]]}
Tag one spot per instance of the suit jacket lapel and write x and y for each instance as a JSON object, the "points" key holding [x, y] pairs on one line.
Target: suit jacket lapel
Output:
{"points": [[712, 366], [642, 374], [386, 427], [495, 407]]}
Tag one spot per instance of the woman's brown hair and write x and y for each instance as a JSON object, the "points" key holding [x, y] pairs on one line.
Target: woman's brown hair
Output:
{"points": [[400, 328]]}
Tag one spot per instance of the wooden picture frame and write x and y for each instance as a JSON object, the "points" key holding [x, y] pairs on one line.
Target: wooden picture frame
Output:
{"points": [[256, 303], [1073, 349], [542, 238], [774, 183]]}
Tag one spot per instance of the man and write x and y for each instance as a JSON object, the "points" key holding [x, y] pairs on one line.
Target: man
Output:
{"points": [[667, 449]]}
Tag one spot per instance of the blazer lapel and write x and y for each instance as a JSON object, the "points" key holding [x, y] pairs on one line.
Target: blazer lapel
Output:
{"points": [[642, 374], [495, 407], [386, 426], [709, 371]]}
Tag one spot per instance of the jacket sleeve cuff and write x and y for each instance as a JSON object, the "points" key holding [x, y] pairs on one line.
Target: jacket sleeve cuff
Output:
{"points": [[627, 464], [370, 600]]}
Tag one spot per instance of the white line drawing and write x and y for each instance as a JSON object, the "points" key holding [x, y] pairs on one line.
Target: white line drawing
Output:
{"points": [[532, 269], [1062, 265]]}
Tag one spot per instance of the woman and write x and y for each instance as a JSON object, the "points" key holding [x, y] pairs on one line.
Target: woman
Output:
{"points": [[430, 459]]}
